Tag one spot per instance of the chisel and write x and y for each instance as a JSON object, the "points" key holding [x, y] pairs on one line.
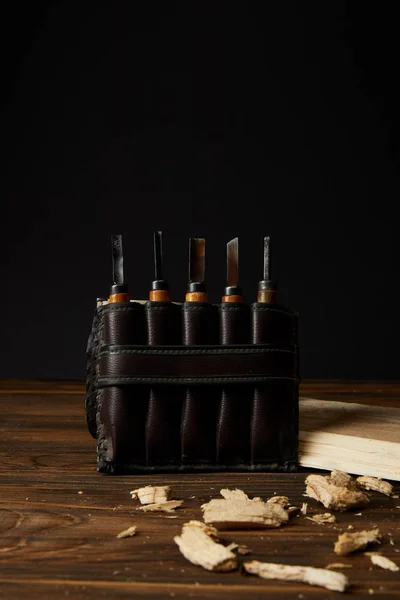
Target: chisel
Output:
{"points": [[267, 288], [119, 289], [165, 402], [123, 408], [199, 328], [233, 420], [267, 409]]}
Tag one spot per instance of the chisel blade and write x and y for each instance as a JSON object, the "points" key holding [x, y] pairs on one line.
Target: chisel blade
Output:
{"points": [[232, 263], [158, 256], [117, 260], [267, 259], [197, 260]]}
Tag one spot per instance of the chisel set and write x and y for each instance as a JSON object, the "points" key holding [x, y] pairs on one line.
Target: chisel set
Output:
{"points": [[193, 386]]}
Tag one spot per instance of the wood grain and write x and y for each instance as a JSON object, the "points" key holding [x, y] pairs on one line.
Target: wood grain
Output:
{"points": [[349, 436], [56, 542]]}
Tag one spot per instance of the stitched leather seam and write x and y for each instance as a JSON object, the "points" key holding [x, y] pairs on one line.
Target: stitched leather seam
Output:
{"points": [[184, 380], [191, 351]]}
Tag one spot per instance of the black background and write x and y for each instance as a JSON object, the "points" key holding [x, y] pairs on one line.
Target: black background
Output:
{"points": [[201, 119]]}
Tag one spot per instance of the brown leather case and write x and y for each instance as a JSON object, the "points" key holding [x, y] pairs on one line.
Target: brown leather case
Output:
{"points": [[193, 387]]}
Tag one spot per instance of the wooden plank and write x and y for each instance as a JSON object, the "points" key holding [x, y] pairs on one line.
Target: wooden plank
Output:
{"points": [[353, 437]]}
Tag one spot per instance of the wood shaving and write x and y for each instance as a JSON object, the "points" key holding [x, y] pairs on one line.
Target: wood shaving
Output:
{"points": [[236, 511], [351, 542], [293, 511], [338, 566], [375, 484], [128, 532], [241, 549], [337, 491], [199, 544], [232, 546], [281, 500], [152, 494], [311, 575], [323, 518], [304, 508], [382, 561], [168, 506]]}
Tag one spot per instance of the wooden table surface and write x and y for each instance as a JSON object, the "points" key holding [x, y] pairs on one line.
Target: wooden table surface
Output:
{"points": [[59, 518]]}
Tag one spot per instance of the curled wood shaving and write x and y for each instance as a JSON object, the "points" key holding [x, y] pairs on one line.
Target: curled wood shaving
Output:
{"points": [[382, 561], [199, 544], [337, 491], [128, 532], [236, 511], [152, 494], [338, 565], [322, 518], [303, 509], [311, 575], [168, 506], [375, 484], [281, 500], [351, 542]]}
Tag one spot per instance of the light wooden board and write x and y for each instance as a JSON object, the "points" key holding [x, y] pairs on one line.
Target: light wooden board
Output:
{"points": [[357, 438]]}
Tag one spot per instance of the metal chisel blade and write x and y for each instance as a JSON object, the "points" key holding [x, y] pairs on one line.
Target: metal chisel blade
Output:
{"points": [[267, 259], [117, 260], [197, 260], [232, 262], [158, 256]]}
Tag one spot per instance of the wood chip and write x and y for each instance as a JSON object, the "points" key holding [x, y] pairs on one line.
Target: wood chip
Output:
{"points": [[382, 561], [311, 575], [236, 511], [128, 532], [199, 544], [304, 508], [323, 518], [337, 491], [351, 542], [338, 565], [152, 494], [168, 506], [375, 484], [243, 550], [281, 500]]}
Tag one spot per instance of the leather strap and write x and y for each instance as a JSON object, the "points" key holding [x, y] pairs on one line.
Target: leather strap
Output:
{"points": [[119, 365]]}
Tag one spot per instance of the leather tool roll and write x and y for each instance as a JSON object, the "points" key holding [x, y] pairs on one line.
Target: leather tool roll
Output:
{"points": [[165, 403], [199, 409], [233, 421], [193, 387]]}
